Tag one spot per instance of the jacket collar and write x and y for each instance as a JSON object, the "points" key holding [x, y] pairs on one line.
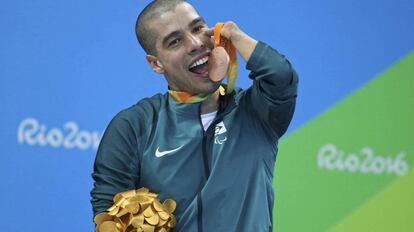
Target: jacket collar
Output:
{"points": [[183, 108], [226, 104]]}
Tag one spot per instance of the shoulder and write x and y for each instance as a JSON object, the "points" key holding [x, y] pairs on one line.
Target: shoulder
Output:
{"points": [[240, 94], [144, 107], [140, 115]]}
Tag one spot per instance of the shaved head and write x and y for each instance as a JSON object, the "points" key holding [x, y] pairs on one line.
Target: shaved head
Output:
{"points": [[155, 9]]}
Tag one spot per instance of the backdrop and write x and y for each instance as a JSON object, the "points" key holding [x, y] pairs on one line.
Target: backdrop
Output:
{"points": [[67, 67]]}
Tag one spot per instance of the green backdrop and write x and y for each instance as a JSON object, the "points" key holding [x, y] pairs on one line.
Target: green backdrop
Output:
{"points": [[350, 169]]}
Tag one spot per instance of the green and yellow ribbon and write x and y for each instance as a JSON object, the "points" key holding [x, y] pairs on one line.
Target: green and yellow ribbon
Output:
{"points": [[186, 97], [231, 50]]}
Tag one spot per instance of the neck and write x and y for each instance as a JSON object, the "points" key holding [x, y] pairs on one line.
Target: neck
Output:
{"points": [[211, 103]]}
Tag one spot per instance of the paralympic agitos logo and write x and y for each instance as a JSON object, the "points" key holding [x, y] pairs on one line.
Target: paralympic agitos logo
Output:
{"points": [[70, 136]]}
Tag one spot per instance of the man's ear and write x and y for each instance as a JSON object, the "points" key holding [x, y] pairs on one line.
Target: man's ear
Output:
{"points": [[155, 64]]}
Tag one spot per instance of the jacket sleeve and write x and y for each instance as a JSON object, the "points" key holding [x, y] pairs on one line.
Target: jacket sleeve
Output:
{"points": [[116, 167], [274, 90]]}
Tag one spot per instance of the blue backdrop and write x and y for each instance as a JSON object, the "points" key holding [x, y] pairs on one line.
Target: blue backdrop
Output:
{"points": [[67, 67]]}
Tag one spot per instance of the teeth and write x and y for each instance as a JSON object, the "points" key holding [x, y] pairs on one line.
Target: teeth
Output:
{"points": [[199, 62]]}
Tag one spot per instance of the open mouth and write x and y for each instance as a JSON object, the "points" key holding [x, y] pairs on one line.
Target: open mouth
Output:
{"points": [[200, 66]]}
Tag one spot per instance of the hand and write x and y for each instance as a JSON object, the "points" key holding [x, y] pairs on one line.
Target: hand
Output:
{"points": [[244, 43], [231, 32]]}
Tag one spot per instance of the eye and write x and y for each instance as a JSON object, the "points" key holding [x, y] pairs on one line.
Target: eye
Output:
{"points": [[198, 28], [174, 42]]}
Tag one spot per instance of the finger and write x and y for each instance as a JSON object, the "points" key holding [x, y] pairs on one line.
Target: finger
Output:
{"points": [[228, 29]]}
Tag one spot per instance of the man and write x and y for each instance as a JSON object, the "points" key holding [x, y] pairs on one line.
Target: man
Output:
{"points": [[214, 157]]}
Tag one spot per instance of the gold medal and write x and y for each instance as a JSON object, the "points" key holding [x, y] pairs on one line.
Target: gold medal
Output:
{"points": [[153, 220], [137, 211], [108, 226], [170, 205]]}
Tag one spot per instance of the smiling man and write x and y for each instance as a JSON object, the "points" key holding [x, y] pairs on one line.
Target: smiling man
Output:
{"points": [[213, 153]]}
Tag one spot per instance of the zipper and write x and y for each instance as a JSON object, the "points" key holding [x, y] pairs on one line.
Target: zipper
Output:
{"points": [[207, 134], [205, 160], [206, 169], [205, 156], [200, 213], [204, 147]]}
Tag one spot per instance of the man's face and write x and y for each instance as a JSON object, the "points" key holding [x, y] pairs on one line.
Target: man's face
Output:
{"points": [[182, 50]]}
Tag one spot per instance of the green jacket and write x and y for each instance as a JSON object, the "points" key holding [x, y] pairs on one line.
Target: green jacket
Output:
{"points": [[221, 179]]}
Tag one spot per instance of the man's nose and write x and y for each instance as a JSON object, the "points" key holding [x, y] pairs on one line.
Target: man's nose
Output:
{"points": [[195, 43]]}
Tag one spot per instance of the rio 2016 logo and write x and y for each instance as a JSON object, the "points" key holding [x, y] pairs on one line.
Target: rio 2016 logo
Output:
{"points": [[331, 158], [33, 133]]}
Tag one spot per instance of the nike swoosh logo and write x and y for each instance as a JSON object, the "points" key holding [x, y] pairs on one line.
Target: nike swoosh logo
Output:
{"points": [[159, 153]]}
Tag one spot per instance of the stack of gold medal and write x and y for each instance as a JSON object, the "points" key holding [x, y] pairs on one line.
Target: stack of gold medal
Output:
{"points": [[137, 211]]}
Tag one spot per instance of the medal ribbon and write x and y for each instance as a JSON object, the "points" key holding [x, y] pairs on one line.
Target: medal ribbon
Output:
{"points": [[186, 97], [231, 50]]}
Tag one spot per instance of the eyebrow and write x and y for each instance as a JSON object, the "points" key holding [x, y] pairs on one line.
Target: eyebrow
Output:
{"points": [[176, 33], [195, 21]]}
